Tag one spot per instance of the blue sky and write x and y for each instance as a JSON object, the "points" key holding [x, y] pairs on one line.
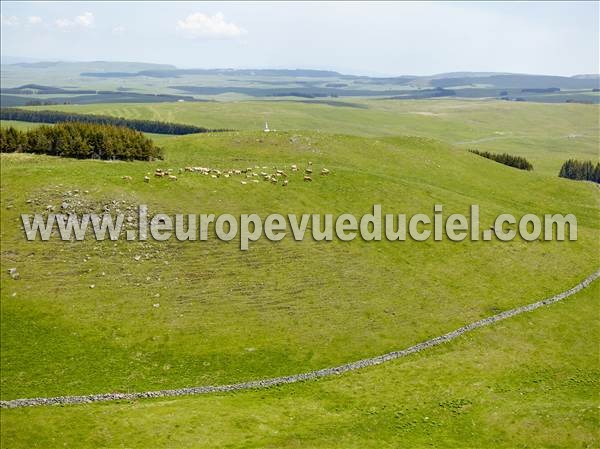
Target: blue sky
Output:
{"points": [[386, 38]]}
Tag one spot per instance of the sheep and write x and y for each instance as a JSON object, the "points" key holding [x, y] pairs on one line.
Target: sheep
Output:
{"points": [[243, 182], [172, 177], [127, 178], [285, 183], [159, 174], [146, 179], [308, 170], [307, 178], [294, 167], [324, 171]]}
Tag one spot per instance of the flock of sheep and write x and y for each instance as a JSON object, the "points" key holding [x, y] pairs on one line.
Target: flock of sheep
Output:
{"points": [[248, 175]]}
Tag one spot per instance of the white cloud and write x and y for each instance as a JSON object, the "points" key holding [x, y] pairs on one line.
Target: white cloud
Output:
{"points": [[34, 20], [9, 20], [200, 25], [84, 20]]}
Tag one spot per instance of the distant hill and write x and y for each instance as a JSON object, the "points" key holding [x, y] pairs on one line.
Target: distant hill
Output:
{"points": [[451, 75], [51, 82], [175, 73], [101, 66], [522, 81]]}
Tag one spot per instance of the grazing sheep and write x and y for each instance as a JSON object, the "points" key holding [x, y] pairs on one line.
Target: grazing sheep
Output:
{"points": [[294, 167], [146, 179], [285, 183], [243, 182], [126, 178], [172, 177], [307, 178], [324, 172], [308, 170]]}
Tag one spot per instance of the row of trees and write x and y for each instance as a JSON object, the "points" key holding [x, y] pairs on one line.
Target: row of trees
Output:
{"points": [[147, 126], [506, 159], [81, 141], [580, 170]]}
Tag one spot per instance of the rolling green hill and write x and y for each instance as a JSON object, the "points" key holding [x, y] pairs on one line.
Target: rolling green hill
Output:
{"points": [[546, 134], [530, 382], [176, 314], [226, 315]]}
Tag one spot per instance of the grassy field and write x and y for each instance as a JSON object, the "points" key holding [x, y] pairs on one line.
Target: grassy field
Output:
{"points": [[528, 382], [282, 308], [21, 126], [547, 134]]}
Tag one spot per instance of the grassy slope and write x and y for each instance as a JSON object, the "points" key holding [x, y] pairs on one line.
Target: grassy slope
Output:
{"points": [[278, 308], [528, 382], [547, 134], [21, 126], [283, 308]]}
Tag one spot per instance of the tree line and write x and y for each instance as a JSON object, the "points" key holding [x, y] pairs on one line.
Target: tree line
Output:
{"points": [[580, 170], [81, 141], [147, 126], [506, 159]]}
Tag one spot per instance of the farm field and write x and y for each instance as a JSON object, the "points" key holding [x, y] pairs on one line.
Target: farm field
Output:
{"points": [[543, 133], [532, 381], [265, 312], [173, 314]]}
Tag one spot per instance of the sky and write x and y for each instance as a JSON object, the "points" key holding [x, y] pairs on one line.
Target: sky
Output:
{"points": [[387, 38]]}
